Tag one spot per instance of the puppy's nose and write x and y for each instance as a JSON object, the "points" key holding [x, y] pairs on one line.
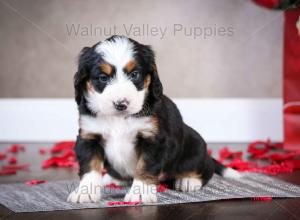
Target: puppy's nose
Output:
{"points": [[121, 105]]}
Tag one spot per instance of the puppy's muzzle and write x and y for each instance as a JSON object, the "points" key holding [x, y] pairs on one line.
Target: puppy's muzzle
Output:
{"points": [[121, 105]]}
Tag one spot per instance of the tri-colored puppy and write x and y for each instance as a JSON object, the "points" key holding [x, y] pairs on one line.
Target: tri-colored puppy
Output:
{"points": [[131, 129]]}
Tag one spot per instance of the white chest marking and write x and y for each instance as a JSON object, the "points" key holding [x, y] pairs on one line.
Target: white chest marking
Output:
{"points": [[119, 135]]}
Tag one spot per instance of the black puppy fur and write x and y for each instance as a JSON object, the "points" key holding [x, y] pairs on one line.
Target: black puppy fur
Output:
{"points": [[176, 150]]}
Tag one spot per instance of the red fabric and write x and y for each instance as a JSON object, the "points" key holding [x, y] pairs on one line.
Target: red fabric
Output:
{"points": [[291, 87], [268, 3]]}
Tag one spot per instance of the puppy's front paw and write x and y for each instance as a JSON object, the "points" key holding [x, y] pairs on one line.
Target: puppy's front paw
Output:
{"points": [[140, 191], [81, 195], [89, 189]]}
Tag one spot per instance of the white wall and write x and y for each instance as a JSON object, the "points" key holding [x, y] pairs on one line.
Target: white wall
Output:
{"points": [[217, 120]]}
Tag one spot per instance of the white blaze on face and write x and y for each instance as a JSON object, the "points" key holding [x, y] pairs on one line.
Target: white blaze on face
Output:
{"points": [[117, 53]]}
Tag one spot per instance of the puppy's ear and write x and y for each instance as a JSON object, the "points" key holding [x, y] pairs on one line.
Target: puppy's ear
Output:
{"points": [[82, 73], [155, 87]]}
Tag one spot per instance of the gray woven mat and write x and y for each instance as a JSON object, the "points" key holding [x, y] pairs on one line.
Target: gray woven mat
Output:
{"points": [[52, 196]]}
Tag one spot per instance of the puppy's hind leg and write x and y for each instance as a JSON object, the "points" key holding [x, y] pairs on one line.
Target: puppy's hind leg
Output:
{"points": [[190, 182]]}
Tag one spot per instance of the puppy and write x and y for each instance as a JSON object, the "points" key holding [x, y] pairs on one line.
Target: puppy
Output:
{"points": [[131, 129]]}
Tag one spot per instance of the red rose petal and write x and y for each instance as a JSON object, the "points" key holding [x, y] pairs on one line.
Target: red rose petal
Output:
{"points": [[162, 188], [2, 156], [209, 152], [261, 198], [12, 160], [113, 203], [225, 153], [295, 164], [62, 146], [14, 167], [7, 172], [35, 182], [113, 186], [16, 148], [242, 165], [42, 151], [259, 148]]}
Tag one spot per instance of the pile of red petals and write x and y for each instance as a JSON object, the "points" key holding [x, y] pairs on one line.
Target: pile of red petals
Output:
{"points": [[62, 155], [260, 151], [12, 166], [225, 154]]}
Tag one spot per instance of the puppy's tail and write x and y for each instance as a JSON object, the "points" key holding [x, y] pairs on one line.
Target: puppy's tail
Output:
{"points": [[226, 171]]}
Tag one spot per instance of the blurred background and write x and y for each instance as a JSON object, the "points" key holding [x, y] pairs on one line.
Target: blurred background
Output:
{"points": [[210, 49]]}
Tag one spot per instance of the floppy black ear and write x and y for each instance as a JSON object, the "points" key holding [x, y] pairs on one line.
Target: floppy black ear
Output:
{"points": [[155, 87], [82, 73]]}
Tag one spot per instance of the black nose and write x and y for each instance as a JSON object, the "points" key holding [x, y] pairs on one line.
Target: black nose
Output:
{"points": [[121, 105]]}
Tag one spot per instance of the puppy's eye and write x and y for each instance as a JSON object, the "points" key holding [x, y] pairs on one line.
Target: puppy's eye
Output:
{"points": [[103, 78], [135, 75]]}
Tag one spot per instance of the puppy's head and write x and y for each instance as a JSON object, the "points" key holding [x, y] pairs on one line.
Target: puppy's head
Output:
{"points": [[117, 77]]}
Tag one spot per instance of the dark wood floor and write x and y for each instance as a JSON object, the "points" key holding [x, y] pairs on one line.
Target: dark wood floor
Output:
{"points": [[229, 209]]}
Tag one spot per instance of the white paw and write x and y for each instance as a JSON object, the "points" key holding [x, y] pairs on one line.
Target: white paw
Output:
{"points": [[188, 184], [89, 189], [140, 191], [108, 179], [231, 173]]}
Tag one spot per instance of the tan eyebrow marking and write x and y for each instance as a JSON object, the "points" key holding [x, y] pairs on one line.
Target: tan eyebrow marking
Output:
{"points": [[130, 66], [106, 68]]}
